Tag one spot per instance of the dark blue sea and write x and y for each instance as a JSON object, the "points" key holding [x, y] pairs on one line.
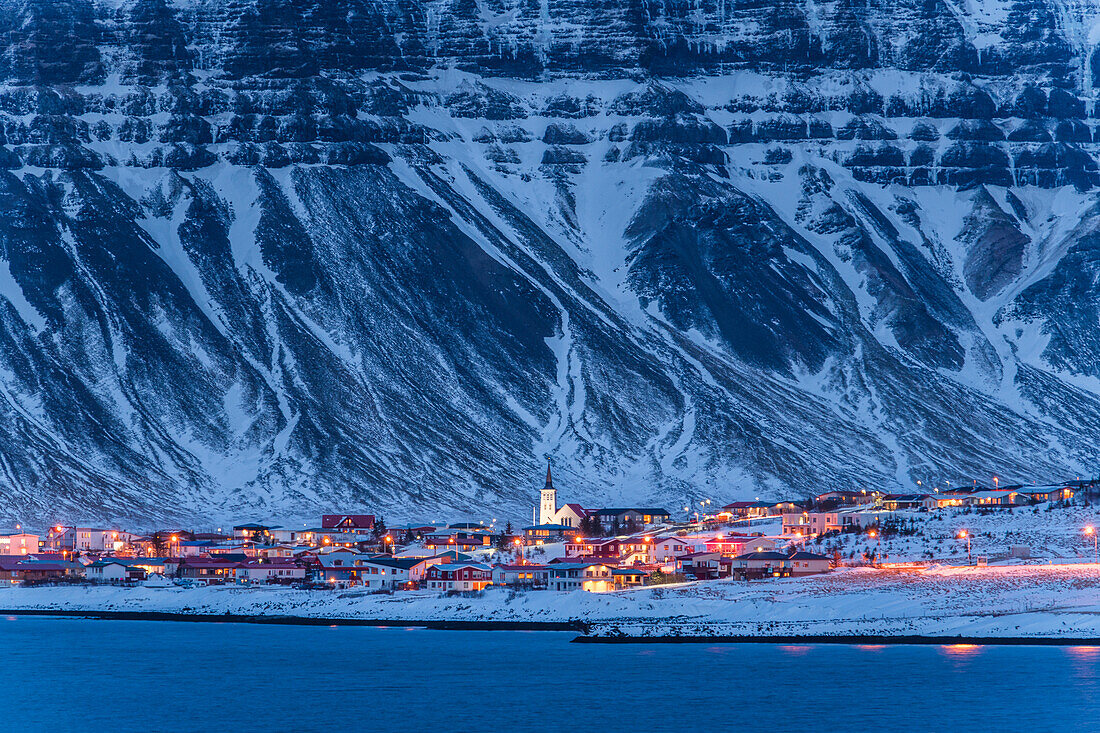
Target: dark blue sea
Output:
{"points": [[129, 676]]}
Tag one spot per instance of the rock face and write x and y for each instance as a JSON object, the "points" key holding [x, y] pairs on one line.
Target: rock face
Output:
{"points": [[266, 258]]}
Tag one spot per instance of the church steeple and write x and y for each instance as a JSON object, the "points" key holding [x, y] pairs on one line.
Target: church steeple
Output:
{"points": [[548, 502]]}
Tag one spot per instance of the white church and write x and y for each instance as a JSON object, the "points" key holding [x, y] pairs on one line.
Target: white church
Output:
{"points": [[548, 511]]}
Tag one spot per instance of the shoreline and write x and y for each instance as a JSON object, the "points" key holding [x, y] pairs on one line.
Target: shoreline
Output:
{"points": [[290, 620], [848, 639], [561, 626]]}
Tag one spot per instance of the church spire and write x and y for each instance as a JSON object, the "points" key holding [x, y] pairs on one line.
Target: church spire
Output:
{"points": [[549, 480]]}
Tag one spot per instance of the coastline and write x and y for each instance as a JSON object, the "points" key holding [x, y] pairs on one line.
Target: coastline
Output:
{"points": [[285, 620], [564, 626], [848, 639], [1002, 605]]}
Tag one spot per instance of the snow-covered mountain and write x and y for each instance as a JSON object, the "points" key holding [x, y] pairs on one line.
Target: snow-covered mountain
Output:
{"points": [[273, 257]]}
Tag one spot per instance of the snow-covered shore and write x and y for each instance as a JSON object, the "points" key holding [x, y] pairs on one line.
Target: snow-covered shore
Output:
{"points": [[1049, 601]]}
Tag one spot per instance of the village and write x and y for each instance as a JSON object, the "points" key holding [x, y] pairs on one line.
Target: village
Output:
{"points": [[566, 548]]}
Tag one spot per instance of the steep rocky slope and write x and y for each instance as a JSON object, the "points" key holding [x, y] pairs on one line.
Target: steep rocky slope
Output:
{"points": [[273, 257]]}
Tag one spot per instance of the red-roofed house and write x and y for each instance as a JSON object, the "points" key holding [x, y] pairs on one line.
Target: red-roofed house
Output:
{"points": [[739, 544], [596, 549], [206, 569], [348, 522], [459, 576]]}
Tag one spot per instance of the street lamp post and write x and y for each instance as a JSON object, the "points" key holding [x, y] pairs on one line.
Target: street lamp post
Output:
{"points": [[964, 535], [1091, 532], [878, 545]]}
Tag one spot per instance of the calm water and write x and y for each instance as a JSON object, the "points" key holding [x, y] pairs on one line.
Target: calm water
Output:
{"points": [[76, 675]]}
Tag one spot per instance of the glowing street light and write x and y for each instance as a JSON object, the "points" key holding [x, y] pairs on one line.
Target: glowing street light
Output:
{"points": [[1090, 531], [964, 535]]}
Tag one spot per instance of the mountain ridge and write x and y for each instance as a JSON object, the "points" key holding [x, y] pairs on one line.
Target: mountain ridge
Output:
{"points": [[272, 258]]}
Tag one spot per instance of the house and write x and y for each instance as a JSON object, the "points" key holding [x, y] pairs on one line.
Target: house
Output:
{"points": [[31, 568], [996, 498], [738, 544], [832, 499], [628, 577], [83, 539], [394, 573], [778, 564], [745, 509], [283, 536], [231, 548], [18, 543], [450, 539], [922, 502], [253, 532], [277, 570], [761, 564], [113, 570], [459, 576], [950, 498], [701, 565], [270, 551], [207, 570], [348, 522], [521, 576], [808, 563], [340, 567], [595, 549], [622, 517], [810, 524], [544, 534], [652, 550], [590, 576], [1035, 494], [785, 507], [150, 565], [194, 548]]}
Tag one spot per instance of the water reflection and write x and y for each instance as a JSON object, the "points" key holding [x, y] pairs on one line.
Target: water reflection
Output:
{"points": [[795, 651], [961, 651]]}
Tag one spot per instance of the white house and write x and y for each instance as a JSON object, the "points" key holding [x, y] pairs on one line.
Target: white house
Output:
{"points": [[647, 550], [19, 543], [384, 572], [589, 576], [84, 539], [112, 571], [269, 571]]}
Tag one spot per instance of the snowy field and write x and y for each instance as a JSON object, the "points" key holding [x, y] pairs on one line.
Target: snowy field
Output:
{"points": [[1049, 531], [1055, 600]]}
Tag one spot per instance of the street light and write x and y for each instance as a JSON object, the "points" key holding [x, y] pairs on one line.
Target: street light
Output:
{"points": [[874, 533], [1091, 532], [964, 535]]}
